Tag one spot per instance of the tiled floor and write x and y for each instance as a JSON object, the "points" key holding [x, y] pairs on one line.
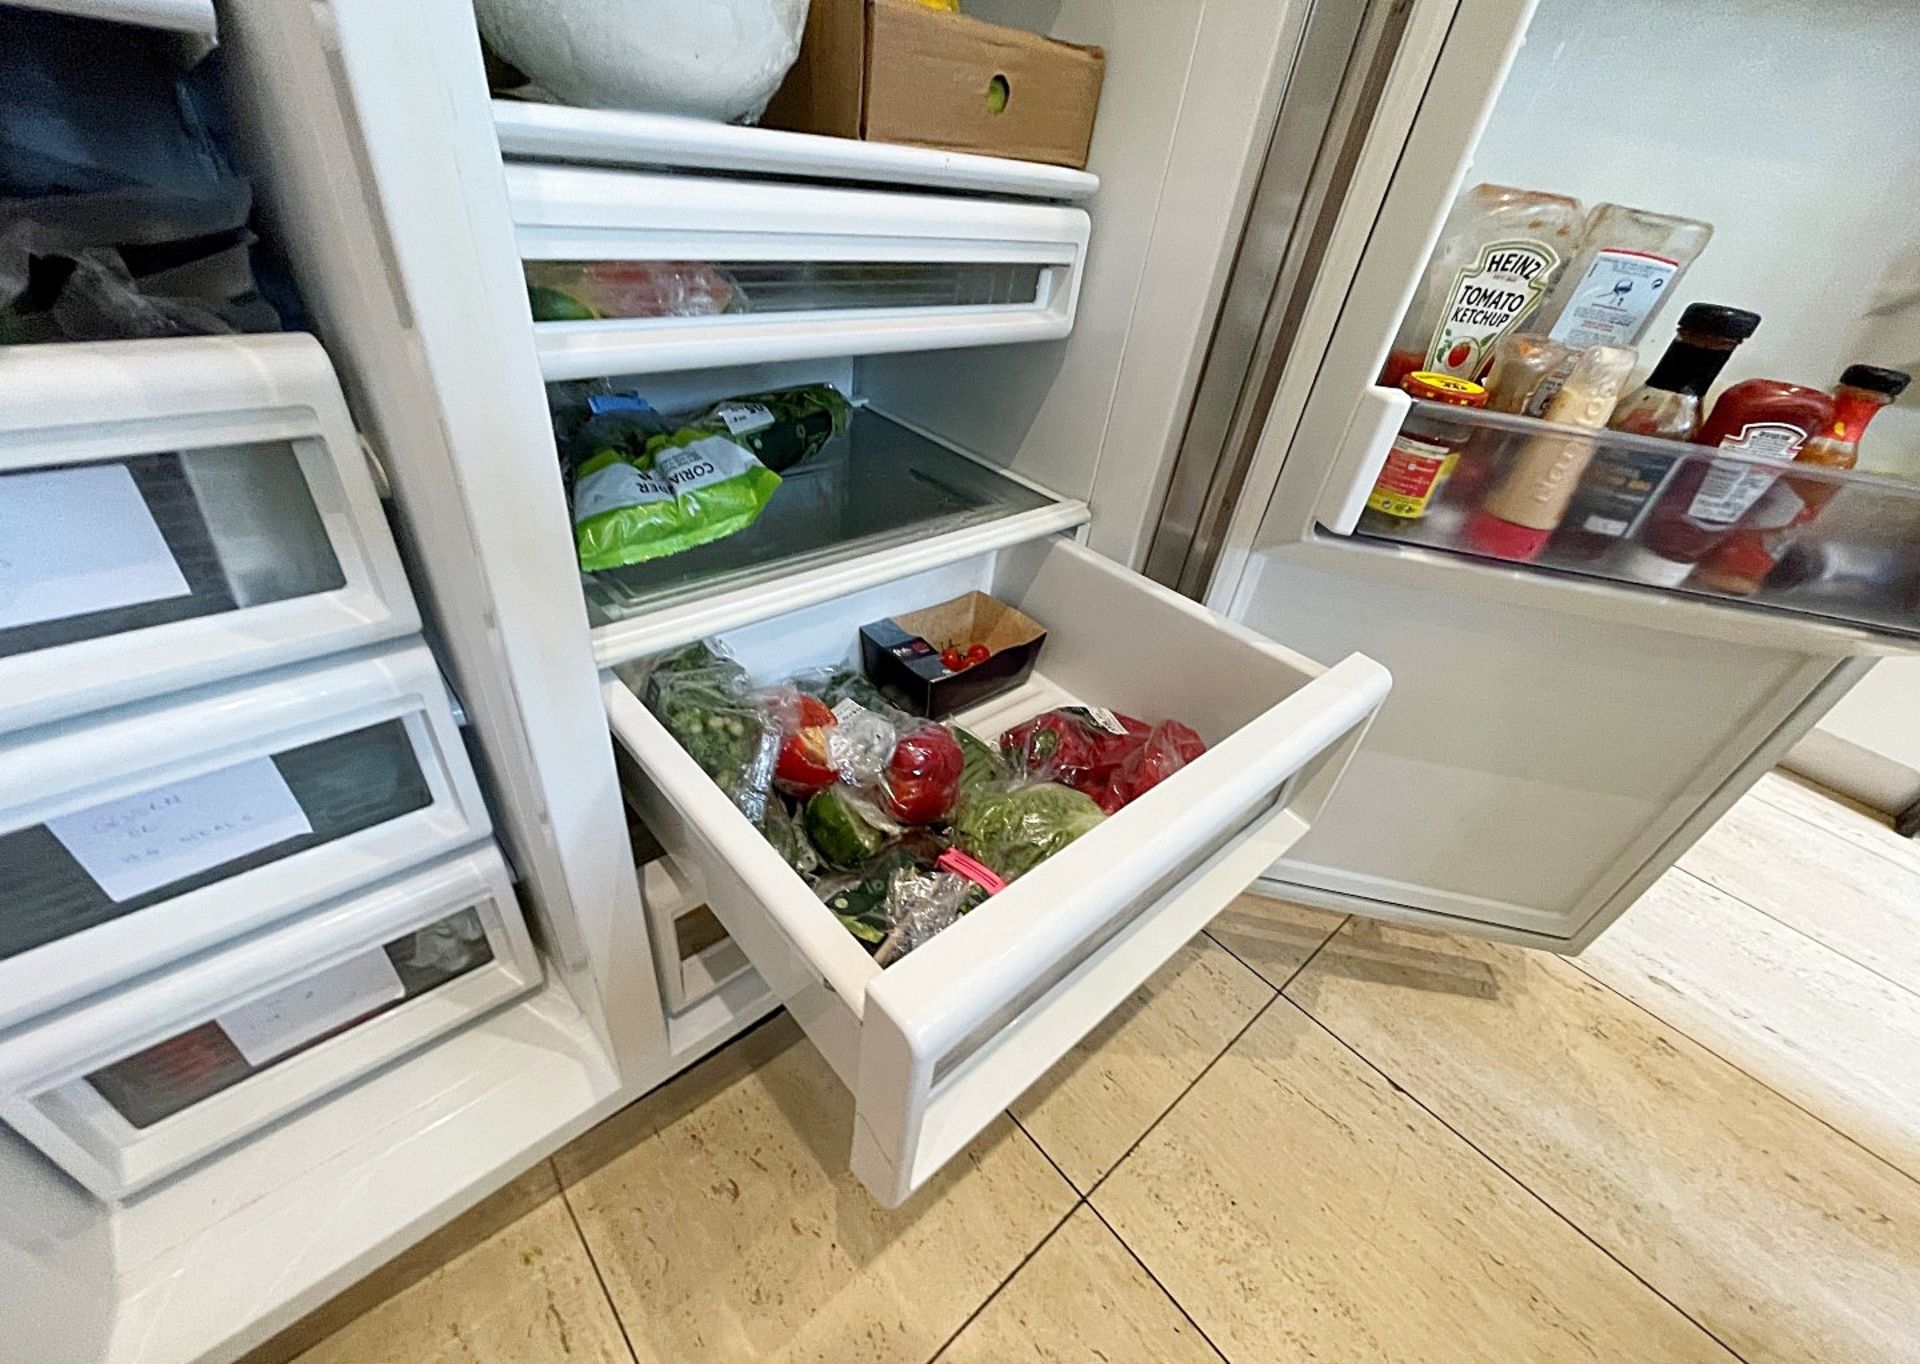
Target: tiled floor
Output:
{"points": [[1304, 1140]]}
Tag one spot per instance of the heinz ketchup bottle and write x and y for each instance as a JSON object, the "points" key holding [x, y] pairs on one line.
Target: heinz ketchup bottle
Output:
{"points": [[1755, 419]]}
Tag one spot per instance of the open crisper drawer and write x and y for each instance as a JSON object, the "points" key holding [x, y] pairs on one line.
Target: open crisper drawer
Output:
{"points": [[632, 273], [167, 828], [177, 511], [1714, 525], [936, 1044], [134, 1085]]}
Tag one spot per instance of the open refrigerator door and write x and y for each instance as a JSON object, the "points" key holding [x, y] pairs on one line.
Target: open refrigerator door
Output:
{"points": [[1603, 632]]}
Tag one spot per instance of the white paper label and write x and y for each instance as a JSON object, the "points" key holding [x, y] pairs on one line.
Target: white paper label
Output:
{"points": [[846, 708], [139, 843], [79, 540], [289, 1018], [1487, 301], [614, 486], [743, 419], [1733, 486], [709, 460], [1613, 299], [1106, 719]]}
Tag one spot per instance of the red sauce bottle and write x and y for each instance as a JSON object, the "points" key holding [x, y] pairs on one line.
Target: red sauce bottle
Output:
{"points": [[1742, 563], [1755, 419]]}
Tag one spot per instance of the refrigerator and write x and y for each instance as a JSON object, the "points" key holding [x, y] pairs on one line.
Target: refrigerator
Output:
{"points": [[1140, 402]]}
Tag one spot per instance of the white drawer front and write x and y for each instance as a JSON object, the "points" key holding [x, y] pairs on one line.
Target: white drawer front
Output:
{"points": [[936, 1044], [163, 829], [174, 512], [741, 272], [133, 1086]]}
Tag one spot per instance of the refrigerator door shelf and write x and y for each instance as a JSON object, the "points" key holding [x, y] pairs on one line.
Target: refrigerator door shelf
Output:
{"points": [[879, 501], [132, 1086], [934, 1045], [180, 511], [682, 272], [1847, 578], [169, 828], [615, 137]]}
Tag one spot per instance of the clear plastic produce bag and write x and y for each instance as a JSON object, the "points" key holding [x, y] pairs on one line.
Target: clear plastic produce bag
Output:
{"points": [[703, 698], [921, 905], [1014, 826]]}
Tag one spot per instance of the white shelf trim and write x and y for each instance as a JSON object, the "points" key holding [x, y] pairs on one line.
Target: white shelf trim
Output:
{"points": [[553, 132]]}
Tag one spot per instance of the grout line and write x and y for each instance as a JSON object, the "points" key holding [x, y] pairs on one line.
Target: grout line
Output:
{"points": [[1278, 992], [594, 1260], [1187, 1089], [1345, 919], [1518, 1183], [1001, 1287], [1825, 946], [1147, 1269], [1736, 1067]]}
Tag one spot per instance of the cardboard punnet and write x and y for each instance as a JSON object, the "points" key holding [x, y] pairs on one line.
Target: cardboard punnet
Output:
{"points": [[898, 71]]}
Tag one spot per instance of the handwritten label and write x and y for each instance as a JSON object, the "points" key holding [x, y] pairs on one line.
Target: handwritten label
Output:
{"points": [[295, 1015], [74, 541], [139, 843]]}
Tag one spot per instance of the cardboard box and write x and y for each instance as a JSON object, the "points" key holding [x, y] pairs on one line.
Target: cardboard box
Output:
{"points": [[901, 654], [898, 71]]}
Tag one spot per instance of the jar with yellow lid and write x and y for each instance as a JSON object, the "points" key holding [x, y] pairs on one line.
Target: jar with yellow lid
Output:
{"points": [[1424, 453]]}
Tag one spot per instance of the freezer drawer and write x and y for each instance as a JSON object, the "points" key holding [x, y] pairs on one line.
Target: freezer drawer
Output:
{"points": [[632, 273], [130, 1087], [174, 512], [937, 1043], [166, 828]]}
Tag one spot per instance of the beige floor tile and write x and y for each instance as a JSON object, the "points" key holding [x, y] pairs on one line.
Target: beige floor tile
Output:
{"points": [[1117, 1082], [1865, 907], [1300, 1209], [526, 1294], [483, 1221], [727, 1226], [1273, 937], [1807, 1022], [1082, 1297], [1867, 829], [1785, 1239]]}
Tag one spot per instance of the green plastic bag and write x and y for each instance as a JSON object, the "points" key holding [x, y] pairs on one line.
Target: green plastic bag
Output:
{"points": [[642, 491]]}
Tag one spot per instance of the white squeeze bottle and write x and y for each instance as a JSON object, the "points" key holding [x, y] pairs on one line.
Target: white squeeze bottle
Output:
{"points": [[1629, 261]]}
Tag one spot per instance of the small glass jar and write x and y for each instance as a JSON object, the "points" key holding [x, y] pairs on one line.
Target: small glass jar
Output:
{"points": [[1423, 456]]}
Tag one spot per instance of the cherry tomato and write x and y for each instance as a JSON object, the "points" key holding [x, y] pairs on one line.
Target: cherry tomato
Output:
{"points": [[978, 653], [952, 660]]}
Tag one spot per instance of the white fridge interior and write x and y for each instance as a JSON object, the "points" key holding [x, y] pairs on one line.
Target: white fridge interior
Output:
{"points": [[1549, 744]]}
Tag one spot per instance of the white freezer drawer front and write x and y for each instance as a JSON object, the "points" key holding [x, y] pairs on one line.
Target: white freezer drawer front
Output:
{"points": [[167, 828], [936, 1044], [177, 511], [135, 1085], [784, 272]]}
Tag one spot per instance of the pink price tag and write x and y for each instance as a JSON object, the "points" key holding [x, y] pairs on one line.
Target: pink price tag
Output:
{"points": [[979, 873]]}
